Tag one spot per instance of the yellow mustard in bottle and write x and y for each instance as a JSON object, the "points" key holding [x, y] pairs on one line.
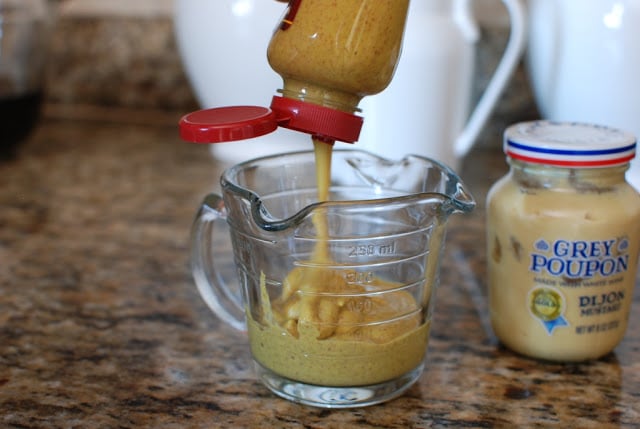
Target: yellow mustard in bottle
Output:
{"points": [[563, 236], [335, 53]]}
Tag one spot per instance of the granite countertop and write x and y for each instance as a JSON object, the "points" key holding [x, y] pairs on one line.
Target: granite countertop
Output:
{"points": [[101, 325]]}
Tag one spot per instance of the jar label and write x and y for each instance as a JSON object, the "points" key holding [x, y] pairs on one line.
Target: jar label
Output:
{"points": [[591, 272], [580, 260], [292, 11], [548, 304]]}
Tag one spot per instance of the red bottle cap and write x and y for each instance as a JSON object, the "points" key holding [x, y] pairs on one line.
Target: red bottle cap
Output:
{"points": [[224, 124], [324, 122]]}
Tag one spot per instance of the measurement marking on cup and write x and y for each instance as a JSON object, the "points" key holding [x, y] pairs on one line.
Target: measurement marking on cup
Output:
{"points": [[362, 305], [359, 278], [372, 250]]}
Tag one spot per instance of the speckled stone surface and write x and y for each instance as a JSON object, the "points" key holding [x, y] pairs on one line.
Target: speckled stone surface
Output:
{"points": [[128, 62], [102, 327]]}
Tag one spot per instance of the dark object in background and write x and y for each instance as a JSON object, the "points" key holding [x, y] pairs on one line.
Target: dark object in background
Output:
{"points": [[19, 114], [24, 29]]}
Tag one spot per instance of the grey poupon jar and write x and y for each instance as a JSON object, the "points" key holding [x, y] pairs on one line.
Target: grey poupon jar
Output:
{"points": [[563, 235]]}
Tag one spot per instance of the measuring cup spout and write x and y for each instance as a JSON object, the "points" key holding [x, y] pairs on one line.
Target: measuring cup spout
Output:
{"points": [[281, 196], [458, 198]]}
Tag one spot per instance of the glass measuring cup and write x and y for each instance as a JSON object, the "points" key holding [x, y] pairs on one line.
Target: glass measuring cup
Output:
{"points": [[337, 296]]}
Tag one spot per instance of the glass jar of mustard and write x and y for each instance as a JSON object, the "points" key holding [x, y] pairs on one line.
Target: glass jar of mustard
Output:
{"points": [[563, 235], [333, 54]]}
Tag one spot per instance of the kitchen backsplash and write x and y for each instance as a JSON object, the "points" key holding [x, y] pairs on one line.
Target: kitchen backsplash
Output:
{"points": [[122, 53], [116, 53]]}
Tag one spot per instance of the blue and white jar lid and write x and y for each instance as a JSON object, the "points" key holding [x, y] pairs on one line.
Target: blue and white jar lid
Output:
{"points": [[569, 144]]}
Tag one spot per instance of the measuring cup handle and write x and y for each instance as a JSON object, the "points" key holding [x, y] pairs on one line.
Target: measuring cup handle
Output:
{"points": [[504, 71], [222, 295]]}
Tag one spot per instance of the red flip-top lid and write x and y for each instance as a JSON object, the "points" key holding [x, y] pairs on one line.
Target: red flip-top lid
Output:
{"points": [[224, 124]]}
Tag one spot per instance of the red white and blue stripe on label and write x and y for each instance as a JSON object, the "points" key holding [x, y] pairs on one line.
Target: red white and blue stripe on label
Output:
{"points": [[569, 144]]}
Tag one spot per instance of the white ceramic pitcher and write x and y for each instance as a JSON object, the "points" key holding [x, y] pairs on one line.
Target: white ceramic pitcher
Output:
{"points": [[424, 110], [223, 46], [583, 60]]}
